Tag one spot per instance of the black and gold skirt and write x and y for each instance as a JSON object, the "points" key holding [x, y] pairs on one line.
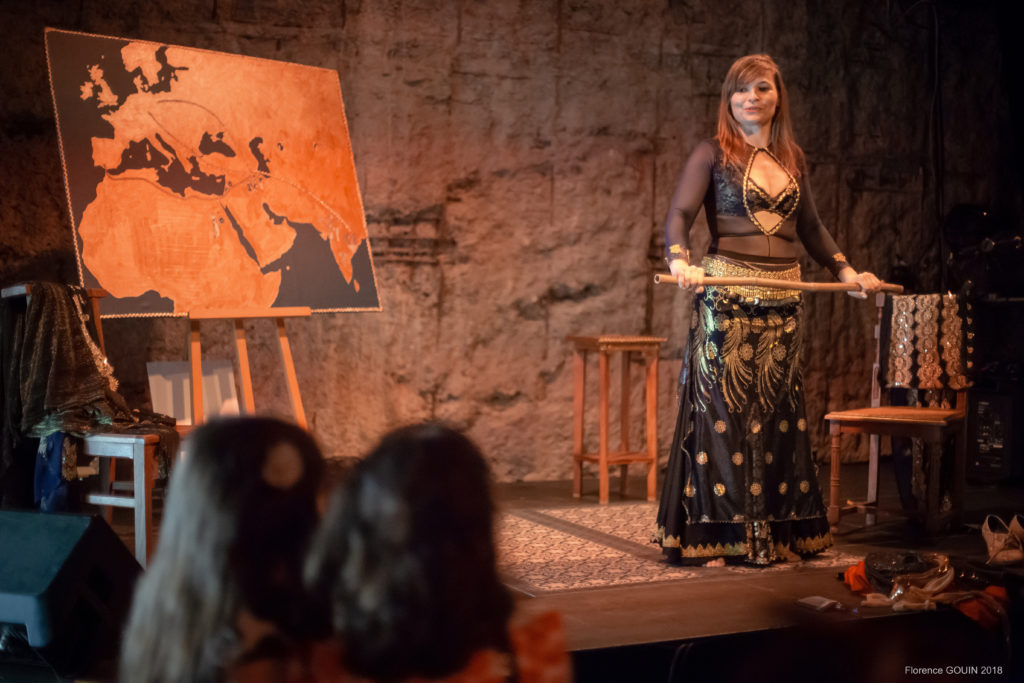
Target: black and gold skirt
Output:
{"points": [[740, 480]]}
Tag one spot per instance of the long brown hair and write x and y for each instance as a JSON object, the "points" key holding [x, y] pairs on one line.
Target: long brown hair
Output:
{"points": [[229, 540], [406, 558], [780, 142]]}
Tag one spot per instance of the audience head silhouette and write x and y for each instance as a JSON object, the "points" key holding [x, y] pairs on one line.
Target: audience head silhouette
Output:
{"points": [[406, 555], [240, 514]]}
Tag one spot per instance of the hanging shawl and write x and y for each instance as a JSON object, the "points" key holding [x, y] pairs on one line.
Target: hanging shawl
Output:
{"points": [[55, 378]]}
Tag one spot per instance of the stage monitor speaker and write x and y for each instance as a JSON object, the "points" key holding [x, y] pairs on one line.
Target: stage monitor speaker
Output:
{"points": [[66, 584], [994, 436]]}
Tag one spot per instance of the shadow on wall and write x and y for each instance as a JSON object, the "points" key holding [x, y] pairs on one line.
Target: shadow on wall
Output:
{"points": [[54, 265]]}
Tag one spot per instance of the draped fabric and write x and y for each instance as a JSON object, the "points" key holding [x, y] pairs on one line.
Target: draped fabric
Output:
{"points": [[740, 481], [56, 379]]}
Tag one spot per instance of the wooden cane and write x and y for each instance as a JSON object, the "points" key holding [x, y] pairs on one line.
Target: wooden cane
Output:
{"points": [[666, 278]]}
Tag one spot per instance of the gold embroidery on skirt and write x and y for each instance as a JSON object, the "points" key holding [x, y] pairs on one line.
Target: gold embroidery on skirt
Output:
{"points": [[814, 544], [760, 546], [769, 372], [705, 353], [716, 550], [736, 370], [722, 349]]}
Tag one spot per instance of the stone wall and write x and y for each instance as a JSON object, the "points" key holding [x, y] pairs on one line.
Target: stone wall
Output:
{"points": [[516, 161]]}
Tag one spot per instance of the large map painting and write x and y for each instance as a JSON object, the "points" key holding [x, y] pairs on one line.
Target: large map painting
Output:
{"points": [[204, 180]]}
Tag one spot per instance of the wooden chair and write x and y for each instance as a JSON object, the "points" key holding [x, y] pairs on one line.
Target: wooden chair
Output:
{"points": [[936, 426], [605, 345], [137, 449]]}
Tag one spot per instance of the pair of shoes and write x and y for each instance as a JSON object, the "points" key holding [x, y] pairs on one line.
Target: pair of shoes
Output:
{"points": [[1005, 543]]}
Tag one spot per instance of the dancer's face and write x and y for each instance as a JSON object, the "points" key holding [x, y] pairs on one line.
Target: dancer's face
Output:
{"points": [[753, 103]]}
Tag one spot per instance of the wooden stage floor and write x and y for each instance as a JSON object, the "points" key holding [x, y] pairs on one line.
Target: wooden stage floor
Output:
{"points": [[750, 627]]}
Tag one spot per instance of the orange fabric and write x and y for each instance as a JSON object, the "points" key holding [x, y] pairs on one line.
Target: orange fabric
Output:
{"points": [[540, 648], [987, 611], [856, 578]]}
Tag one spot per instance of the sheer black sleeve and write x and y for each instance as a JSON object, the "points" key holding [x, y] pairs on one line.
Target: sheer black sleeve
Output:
{"points": [[687, 200], [813, 234]]}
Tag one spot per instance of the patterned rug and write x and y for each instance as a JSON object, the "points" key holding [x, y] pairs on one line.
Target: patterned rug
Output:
{"points": [[598, 546]]}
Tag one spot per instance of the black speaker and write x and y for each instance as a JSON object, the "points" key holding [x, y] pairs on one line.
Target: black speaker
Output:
{"points": [[66, 584], [994, 436]]}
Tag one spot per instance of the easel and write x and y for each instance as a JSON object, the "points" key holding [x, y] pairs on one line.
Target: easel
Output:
{"points": [[245, 375]]}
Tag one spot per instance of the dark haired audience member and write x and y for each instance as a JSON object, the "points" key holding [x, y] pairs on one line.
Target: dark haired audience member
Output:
{"points": [[222, 599], [406, 558]]}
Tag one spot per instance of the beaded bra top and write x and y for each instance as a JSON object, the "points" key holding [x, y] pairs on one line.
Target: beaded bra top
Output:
{"points": [[757, 200], [740, 195], [736, 206]]}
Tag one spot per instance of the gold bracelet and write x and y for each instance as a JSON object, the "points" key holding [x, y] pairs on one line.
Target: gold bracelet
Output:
{"points": [[677, 251]]}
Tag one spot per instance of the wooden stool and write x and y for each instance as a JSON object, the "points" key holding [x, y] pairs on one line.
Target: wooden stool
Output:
{"points": [[605, 345]]}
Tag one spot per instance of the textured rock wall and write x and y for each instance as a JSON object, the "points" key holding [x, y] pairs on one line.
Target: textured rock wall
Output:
{"points": [[516, 161]]}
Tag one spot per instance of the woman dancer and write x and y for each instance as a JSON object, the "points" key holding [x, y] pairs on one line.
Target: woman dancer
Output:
{"points": [[740, 480]]}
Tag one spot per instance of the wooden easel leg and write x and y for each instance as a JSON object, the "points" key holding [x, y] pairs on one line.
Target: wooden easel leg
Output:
{"points": [[289, 370], [195, 354], [602, 456], [652, 424], [579, 376], [624, 409], [245, 374]]}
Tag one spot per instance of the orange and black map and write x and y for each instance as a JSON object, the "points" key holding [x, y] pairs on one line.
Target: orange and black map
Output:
{"points": [[204, 180]]}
